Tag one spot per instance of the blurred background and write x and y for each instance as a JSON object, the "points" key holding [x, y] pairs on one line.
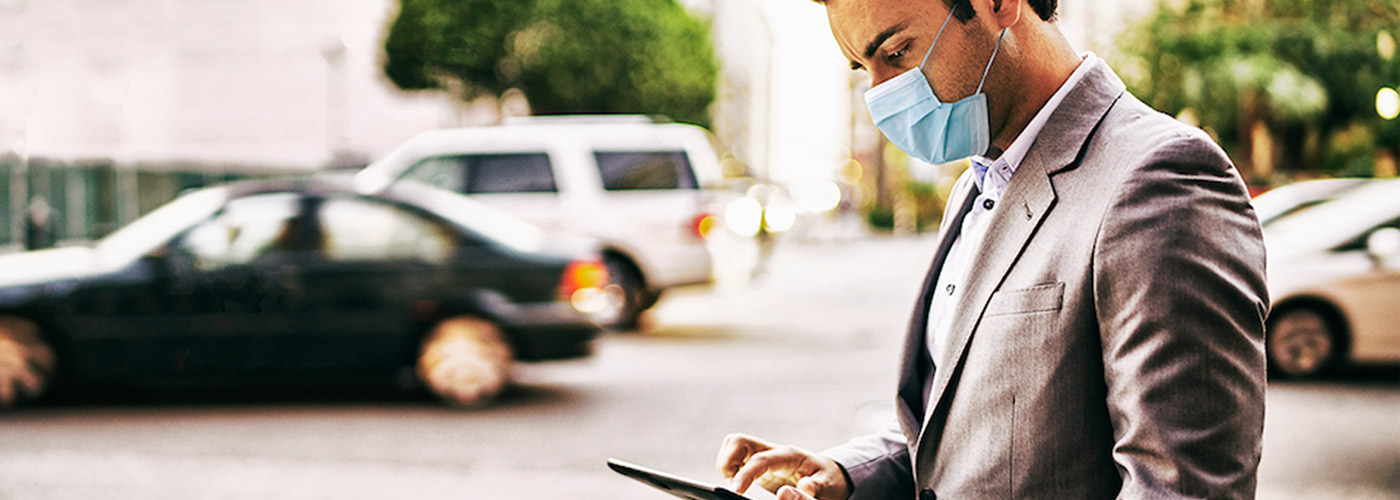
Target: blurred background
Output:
{"points": [[810, 231]]}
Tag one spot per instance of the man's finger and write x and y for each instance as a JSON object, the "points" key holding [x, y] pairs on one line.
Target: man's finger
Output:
{"points": [[762, 462], [790, 493], [736, 450]]}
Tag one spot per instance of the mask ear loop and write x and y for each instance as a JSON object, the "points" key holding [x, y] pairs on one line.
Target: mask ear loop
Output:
{"points": [[940, 35], [989, 61]]}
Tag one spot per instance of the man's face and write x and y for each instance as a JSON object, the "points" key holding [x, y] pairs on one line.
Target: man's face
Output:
{"points": [[888, 37]]}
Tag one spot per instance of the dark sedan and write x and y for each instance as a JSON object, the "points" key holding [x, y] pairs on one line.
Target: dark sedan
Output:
{"points": [[301, 280]]}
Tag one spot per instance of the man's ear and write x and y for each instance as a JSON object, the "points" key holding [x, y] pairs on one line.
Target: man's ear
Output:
{"points": [[1006, 13]]}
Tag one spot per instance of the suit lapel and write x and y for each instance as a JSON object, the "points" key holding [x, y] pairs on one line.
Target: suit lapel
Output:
{"points": [[1028, 199], [913, 376]]}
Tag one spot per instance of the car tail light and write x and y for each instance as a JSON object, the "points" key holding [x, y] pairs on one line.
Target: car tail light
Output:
{"points": [[587, 286], [583, 274], [702, 224]]}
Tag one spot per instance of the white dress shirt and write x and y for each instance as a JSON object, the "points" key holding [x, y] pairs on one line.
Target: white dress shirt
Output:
{"points": [[991, 177]]}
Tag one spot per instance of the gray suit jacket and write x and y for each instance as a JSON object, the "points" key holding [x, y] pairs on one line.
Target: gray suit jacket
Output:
{"points": [[1110, 342]]}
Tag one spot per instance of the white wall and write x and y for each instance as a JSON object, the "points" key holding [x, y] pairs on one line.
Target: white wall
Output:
{"points": [[241, 81]]}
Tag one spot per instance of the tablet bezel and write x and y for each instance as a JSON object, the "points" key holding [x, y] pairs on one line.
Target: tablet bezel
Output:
{"points": [[673, 484]]}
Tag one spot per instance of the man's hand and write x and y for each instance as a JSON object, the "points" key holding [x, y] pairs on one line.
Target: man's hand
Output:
{"points": [[792, 473]]}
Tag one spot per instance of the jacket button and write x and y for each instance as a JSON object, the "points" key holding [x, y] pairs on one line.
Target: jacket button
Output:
{"points": [[927, 494]]}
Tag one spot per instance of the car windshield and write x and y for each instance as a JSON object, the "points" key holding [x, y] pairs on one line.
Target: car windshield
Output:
{"points": [[1333, 223], [1283, 201], [154, 229], [489, 222]]}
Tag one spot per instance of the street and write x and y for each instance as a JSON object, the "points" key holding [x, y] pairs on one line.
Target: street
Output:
{"points": [[806, 356]]}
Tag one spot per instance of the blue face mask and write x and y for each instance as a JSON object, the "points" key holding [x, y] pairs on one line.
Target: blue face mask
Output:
{"points": [[912, 118]]}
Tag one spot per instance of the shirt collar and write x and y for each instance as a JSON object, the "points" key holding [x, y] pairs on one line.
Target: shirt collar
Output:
{"points": [[1018, 148]]}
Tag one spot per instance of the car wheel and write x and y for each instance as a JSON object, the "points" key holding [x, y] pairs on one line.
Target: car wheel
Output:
{"points": [[465, 361], [634, 294], [26, 362], [1303, 343]]}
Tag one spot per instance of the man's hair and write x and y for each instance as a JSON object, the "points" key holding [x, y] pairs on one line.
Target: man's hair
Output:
{"points": [[1043, 8]]}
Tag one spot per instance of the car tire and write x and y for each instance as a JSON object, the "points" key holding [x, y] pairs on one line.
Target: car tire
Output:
{"points": [[26, 362], [649, 298], [465, 361], [625, 275], [1303, 342]]}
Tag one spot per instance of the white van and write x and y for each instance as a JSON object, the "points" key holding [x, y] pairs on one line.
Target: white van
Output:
{"points": [[650, 191]]}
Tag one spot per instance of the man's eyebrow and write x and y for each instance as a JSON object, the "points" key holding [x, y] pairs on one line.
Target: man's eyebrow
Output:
{"points": [[880, 39]]}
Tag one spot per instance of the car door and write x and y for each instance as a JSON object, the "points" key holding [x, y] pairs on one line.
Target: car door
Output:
{"points": [[198, 307], [1369, 301], [373, 286], [234, 286], [652, 200]]}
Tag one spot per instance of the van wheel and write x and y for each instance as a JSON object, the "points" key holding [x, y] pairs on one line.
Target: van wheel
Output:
{"points": [[465, 361], [634, 295], [26, 362], [1302, 343]]}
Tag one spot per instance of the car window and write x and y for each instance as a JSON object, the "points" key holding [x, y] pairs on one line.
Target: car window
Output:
{"points": [[484, 223], [509, 173], [359, 229], [1358, 243], [447, 172], [156, 229], [249, 229], [486, 173], [631, 170]]}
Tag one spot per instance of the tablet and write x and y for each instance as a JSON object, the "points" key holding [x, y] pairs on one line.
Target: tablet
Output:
{"points": [[675, 485]]}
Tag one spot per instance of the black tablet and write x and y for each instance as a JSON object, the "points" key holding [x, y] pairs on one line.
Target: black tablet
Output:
{"points": [[675, 485]]}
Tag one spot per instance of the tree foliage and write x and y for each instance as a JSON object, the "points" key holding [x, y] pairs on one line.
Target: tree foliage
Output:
{"points": [[567, 56], [1306, 70]]}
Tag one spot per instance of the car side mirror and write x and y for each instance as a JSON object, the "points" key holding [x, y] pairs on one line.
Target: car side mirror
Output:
{"points": [[1383, 244]]}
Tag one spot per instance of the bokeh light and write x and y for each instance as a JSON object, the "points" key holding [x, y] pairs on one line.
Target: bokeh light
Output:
{"points": [[1387, 103]]}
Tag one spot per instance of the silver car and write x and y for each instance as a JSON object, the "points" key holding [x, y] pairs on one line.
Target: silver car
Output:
{"points": [[1334, 279]]}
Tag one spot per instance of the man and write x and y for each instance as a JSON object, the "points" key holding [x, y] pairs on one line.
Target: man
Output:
{"points": [[1092, 325]]}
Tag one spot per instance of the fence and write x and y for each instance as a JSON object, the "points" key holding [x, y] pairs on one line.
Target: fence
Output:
{"points": [[46, 203]]}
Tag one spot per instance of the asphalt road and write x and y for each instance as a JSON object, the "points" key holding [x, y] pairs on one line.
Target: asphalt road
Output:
{"points": [[805, 356]]}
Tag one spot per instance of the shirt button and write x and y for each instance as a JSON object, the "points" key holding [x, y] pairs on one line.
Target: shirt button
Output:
{"points": [[951, 287], [988, 204]]}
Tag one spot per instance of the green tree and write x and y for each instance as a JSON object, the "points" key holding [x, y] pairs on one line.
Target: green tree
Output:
{"points": [[1301, 73], [567, 56], [441, 44]]}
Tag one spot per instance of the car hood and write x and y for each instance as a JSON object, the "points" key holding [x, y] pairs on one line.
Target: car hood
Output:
{"points": [[42, 266]]}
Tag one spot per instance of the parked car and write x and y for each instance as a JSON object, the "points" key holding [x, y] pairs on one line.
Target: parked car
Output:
{"points": [[1334, 279], [647, 190], [297, 281], [1282, 201]]}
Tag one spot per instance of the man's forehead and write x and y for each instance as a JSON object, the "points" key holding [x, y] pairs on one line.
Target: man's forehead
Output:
{"points": [[857, 23]]}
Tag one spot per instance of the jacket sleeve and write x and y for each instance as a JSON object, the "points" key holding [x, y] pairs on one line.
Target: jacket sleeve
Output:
{"points": [[877, 465], [1178, 276]]}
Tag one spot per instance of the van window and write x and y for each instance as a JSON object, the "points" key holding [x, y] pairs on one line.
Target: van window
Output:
{"points": [[487, 173], [645, 170]]}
